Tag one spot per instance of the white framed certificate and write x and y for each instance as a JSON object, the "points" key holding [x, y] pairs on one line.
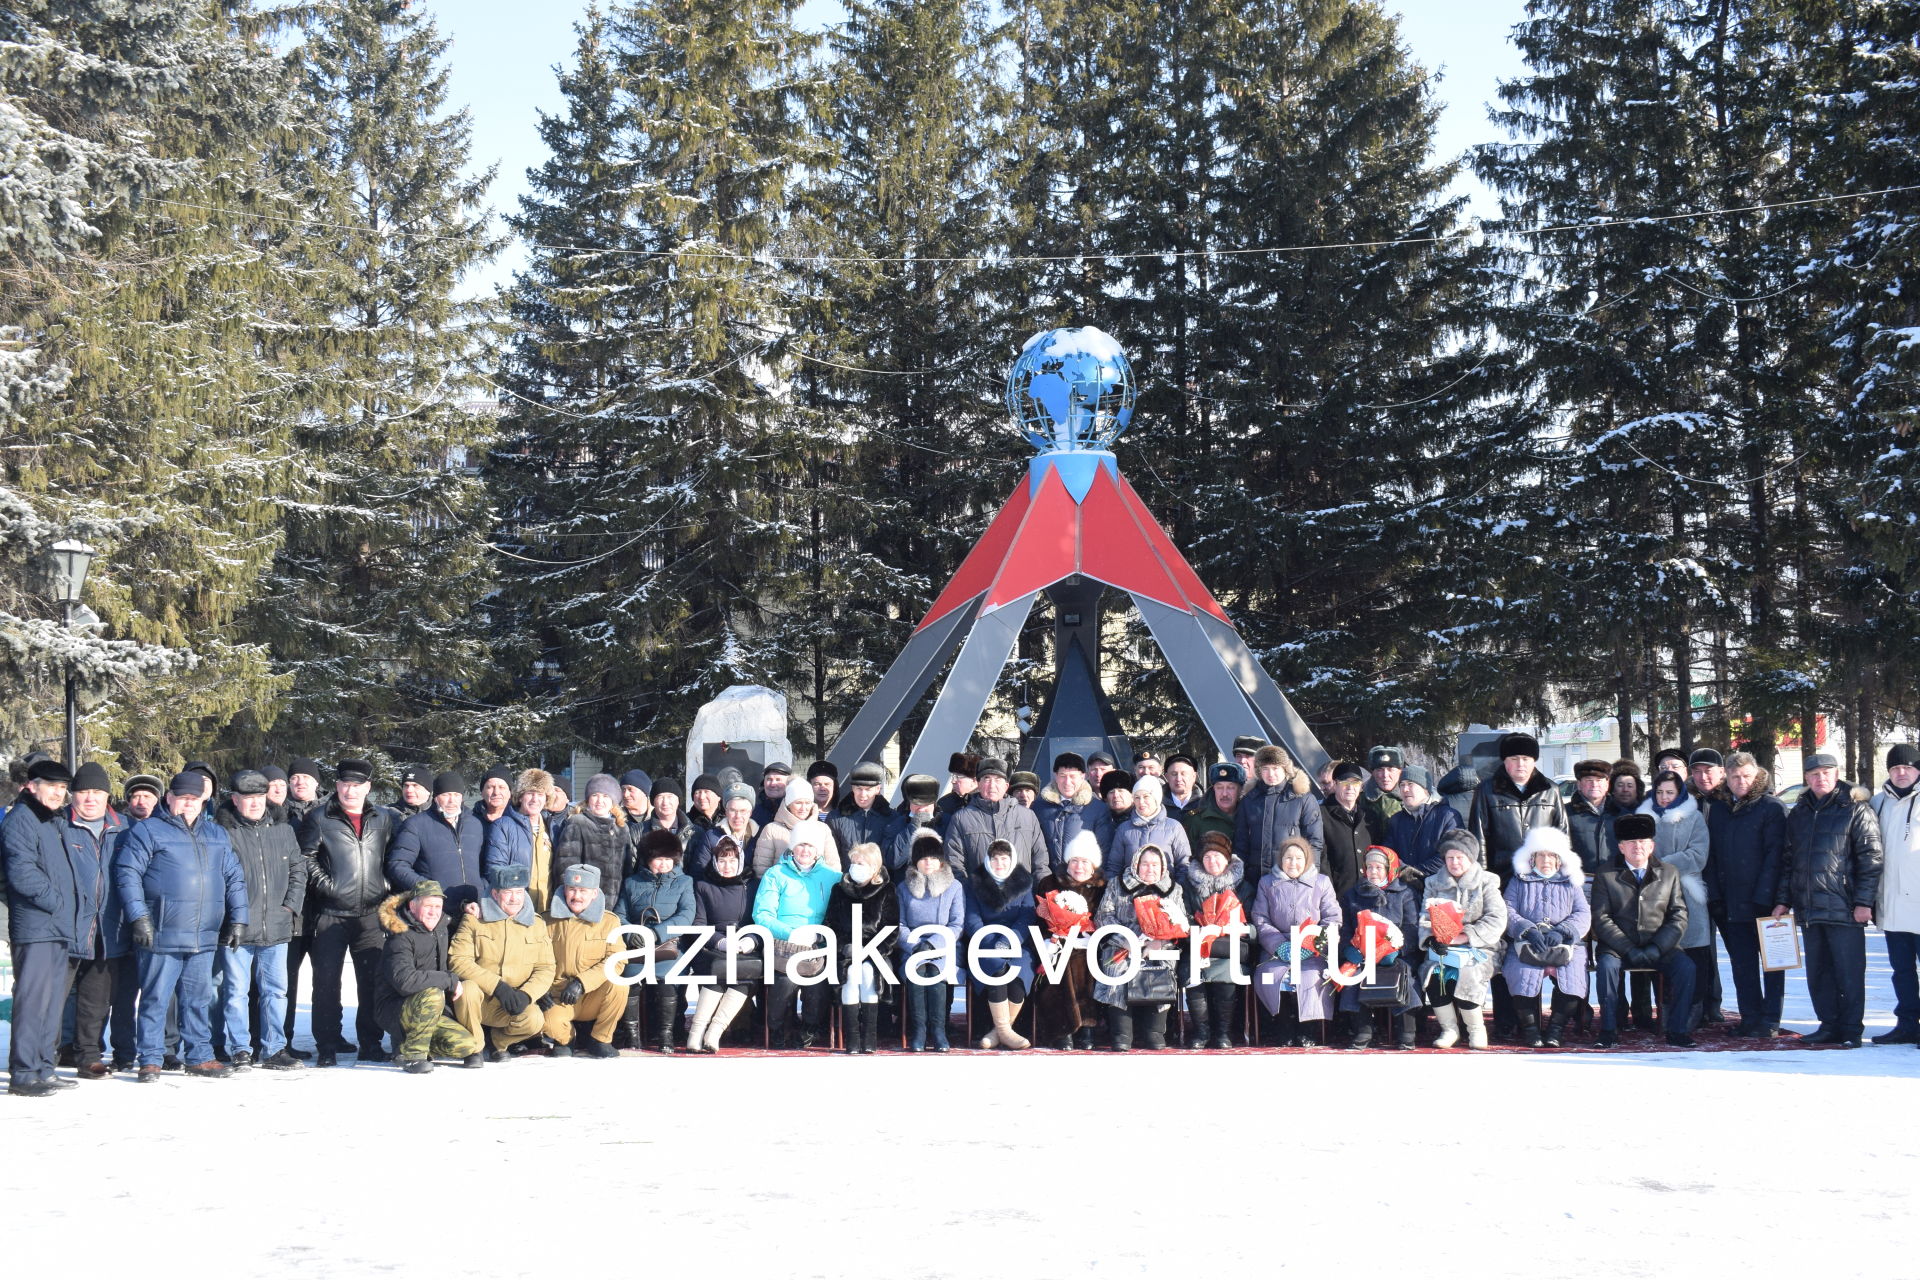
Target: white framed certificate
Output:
{"points": [[1779, 943]]}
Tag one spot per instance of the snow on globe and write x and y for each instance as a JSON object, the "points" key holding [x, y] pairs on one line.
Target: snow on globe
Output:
{"points": [[1071, 389]]}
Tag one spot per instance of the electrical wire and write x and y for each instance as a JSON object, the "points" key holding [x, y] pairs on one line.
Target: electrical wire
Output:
{"points": [[1598, 223]]}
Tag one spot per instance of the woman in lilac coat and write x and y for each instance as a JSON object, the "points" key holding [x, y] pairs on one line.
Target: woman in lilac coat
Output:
{"points": [[930, 899], [1294, 894], [1547, 918]]}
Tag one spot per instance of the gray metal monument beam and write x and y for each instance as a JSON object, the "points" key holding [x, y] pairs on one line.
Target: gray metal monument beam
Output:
{"points": [[1277, 716], [1215, 694], [901, 689], [956, 712]]}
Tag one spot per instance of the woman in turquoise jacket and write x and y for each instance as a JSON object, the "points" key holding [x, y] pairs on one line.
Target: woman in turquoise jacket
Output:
{"points": [[793, 895], [658, 897]]}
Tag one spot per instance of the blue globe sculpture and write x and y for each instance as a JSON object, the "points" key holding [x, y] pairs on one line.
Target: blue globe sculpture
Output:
{"points": [[1071, 389]]}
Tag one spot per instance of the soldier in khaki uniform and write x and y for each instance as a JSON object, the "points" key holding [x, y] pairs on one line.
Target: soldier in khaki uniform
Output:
{"points": [[504, 959], [581, 991]]}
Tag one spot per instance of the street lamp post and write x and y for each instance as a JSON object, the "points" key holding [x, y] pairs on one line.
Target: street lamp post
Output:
{"points": [[70, 562]]}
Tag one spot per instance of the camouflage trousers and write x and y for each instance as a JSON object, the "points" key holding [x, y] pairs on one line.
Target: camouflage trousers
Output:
{"points": [[428, 1032]]}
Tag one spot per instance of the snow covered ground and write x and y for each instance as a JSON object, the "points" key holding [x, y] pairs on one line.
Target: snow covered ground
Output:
{"points": [[1340, 1165]]}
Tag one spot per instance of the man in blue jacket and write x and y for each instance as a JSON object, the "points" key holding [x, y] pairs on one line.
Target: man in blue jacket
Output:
{"points": [[184, 893], [444, 844], [43, 904]]}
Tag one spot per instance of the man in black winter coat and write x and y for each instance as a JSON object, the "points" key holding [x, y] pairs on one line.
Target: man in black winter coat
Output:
{"points": [[1829, 877], [416, 987], [276, 874], [414, 794], [345, 842], [774, 781], [1639, 917], [1747, 836], [994, 815], [1346, 824], [1589, 826], [1516, 799], [303, 797], [862, 816], [919, 807]]}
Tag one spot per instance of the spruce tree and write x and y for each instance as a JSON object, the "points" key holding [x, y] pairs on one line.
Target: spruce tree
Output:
{"points": [[899, 343], [154, 424], [374, 605], [1295, 406], [1860, 135], [651, 482], [1641, 546]]}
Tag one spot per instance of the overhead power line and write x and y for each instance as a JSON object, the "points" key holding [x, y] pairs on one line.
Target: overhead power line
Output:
{"points": [[1598, 222]]}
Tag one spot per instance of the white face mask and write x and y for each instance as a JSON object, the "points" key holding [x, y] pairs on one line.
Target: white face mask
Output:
{"points": [[859, 873]]}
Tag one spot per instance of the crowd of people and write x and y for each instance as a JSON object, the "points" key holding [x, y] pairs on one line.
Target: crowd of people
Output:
{"points": [[1366, 907]]}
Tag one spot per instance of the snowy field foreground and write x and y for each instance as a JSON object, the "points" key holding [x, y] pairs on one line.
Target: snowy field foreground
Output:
{"points": [[1344, 1166]]}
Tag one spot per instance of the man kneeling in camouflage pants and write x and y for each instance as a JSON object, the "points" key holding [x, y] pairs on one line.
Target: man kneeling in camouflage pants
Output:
{"points": [[504, 959], [581, 992], [415, 984]]}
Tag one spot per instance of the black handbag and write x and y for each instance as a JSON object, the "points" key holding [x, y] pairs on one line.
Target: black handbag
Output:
{"points": [[1154, 983], [1384, 991]]}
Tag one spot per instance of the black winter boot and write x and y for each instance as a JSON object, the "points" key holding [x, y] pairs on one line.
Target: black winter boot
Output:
{"points": [[1286, 1026], [1362, 1030], [1526, 1016], [1153, 1028], [626, 1035], [1199, 1013], [1564, 1007], [1642, 1014], [665, 1013], [1407, 1031], [1120, 1024], [1225, 1002], [869, 1027]]}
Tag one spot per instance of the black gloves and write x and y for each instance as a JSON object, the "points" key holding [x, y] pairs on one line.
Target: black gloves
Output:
{"points": [[512, 999], [230, 934], [571, 993], [1436, 946], [141, 931], [544, 1003]]}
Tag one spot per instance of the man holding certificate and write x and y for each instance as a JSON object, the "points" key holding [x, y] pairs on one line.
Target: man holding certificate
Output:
{"points": [[1829, 878], [1898, 911]]}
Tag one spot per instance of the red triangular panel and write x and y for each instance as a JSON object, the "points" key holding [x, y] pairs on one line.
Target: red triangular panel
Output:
{"points": [[1114, 549], [982, 565], [1043, 550], [1195, 591], [1038, 539]]}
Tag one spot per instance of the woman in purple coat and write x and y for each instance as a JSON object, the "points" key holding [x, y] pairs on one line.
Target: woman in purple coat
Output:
{"points": [[931, 900], [1292, 987], [1547, 918]]}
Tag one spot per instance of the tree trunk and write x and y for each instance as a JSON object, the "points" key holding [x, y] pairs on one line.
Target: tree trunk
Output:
{"points": [[1865, 745], [1683, 687], [1653, 701], [1623, 705]]}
